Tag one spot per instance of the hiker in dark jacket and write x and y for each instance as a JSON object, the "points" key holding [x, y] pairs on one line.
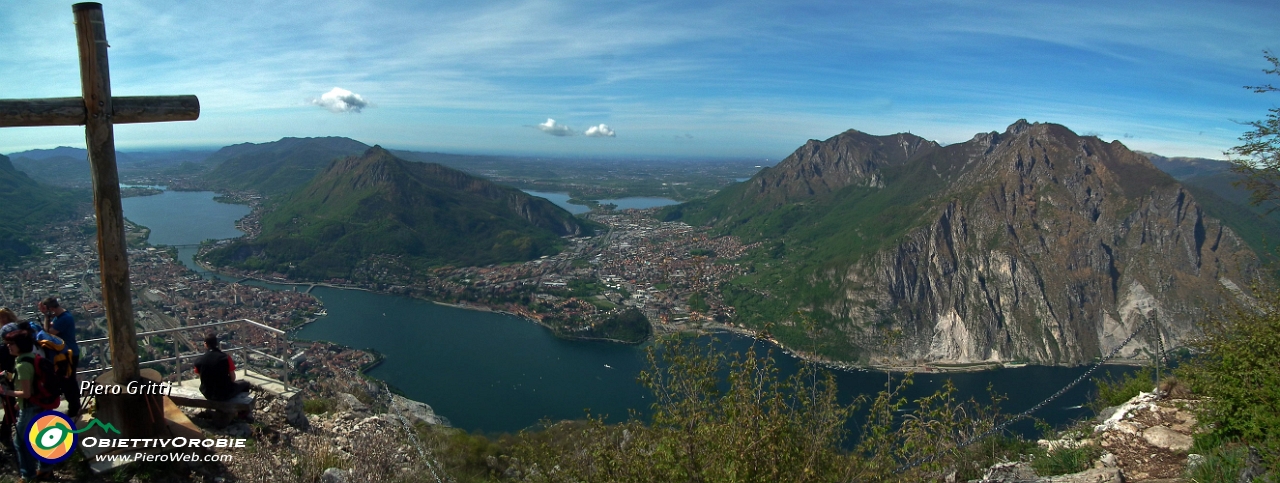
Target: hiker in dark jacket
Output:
{"points": [[59, 322], [218, 373]]}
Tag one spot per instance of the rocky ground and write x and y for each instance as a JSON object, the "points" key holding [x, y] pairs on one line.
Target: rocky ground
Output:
{"points": [[1147, 439]]}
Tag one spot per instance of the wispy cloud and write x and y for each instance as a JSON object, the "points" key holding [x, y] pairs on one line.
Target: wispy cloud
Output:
{"points": [[554, 128], [340, 100], [601, 131]]}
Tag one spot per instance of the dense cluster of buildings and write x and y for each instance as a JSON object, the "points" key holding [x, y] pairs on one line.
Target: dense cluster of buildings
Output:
{"points": [[654, 266], [165, 295]]}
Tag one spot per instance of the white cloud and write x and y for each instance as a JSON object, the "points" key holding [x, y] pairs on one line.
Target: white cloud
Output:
{"points": [[341, 100], [554, 128], [601, 131]]}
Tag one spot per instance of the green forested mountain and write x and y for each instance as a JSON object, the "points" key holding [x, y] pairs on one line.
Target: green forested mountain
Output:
{"points": [[26, 206], [1032, 244], [276, 168], [377, 205]]}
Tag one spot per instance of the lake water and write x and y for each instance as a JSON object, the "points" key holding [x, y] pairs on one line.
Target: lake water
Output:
{"points": [[497, 373], [184, 218], [635, 202], [561, 200]]}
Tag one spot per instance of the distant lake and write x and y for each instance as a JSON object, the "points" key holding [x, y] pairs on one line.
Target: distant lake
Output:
{"points": [[184, 218], [561, 200], [639, 202], [497, 373], [635, 202]]}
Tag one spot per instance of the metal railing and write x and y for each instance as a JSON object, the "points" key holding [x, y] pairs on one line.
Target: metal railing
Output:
{"points": [[179, 355]]}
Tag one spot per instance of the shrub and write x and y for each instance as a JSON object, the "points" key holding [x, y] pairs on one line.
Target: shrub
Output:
{"points": [[1114, 392], [317, 406], [1220, 465], [1238, 372], [1063, 461], [721, 417]]}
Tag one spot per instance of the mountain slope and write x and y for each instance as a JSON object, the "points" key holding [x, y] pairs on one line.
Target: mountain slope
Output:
{"points": [[1033, 244], [379, 205], [276, 168], [1214, 184], [28, 206]]}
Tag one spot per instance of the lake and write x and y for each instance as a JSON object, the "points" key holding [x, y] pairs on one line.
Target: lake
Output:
{"points": [[635, 202], [497, 373]]}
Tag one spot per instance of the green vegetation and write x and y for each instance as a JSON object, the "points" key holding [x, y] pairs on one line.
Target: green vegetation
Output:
{"points": [[1237, 370], [1223, 460], [698, 303], [276, 168], [317, 406], [1115, 391], [1064, 461], [629, 326], [1259, 159], [755, 426]]}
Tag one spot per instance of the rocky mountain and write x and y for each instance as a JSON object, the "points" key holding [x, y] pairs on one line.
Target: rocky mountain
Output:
{"points": [[28, 206], [276, 168], [1214, 184], [363, 209], [1034, 244]]}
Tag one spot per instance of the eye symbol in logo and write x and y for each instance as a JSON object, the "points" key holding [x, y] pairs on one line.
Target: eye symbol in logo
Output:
{"points": [[52, 436]]}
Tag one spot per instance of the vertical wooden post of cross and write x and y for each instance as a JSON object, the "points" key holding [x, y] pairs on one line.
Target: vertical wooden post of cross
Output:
{"points": [[95, 87]]}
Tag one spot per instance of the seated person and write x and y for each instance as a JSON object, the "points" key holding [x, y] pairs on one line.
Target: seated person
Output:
{"points": [[218, 373]]}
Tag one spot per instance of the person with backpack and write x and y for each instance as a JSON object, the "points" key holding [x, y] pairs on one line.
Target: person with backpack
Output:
{"points": [[25, 385], [59, 322], [53, 348]]}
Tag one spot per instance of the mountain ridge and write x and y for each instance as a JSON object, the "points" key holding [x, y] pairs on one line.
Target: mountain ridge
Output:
{"points": [[276, 168], [1031, 244]]}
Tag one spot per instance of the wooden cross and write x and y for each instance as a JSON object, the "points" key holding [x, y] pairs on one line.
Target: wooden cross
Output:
{"points": [[97, 111]]}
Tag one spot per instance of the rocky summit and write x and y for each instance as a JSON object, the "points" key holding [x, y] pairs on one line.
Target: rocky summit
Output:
{"points": [[1034, 244]]}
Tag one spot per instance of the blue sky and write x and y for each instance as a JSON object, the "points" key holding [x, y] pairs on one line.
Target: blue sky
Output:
{"points": [[685, 78]]}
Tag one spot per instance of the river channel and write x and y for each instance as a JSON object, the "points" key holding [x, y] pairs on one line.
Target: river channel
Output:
{"points": [[497, 373]]}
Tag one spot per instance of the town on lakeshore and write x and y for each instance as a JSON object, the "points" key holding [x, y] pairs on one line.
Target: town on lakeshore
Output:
{"points": [[669, 271], [169, 295]]}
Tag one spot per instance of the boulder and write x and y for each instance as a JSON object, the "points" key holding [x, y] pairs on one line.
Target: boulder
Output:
{"points": [[1163, 437], [347, 402]]}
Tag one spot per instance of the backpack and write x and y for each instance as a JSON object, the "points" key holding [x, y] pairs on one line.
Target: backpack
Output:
{"points": [[54, 349], [45, 387]]}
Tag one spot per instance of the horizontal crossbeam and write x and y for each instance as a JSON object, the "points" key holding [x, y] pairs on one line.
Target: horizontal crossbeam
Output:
{"points": [[70, 111]]}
